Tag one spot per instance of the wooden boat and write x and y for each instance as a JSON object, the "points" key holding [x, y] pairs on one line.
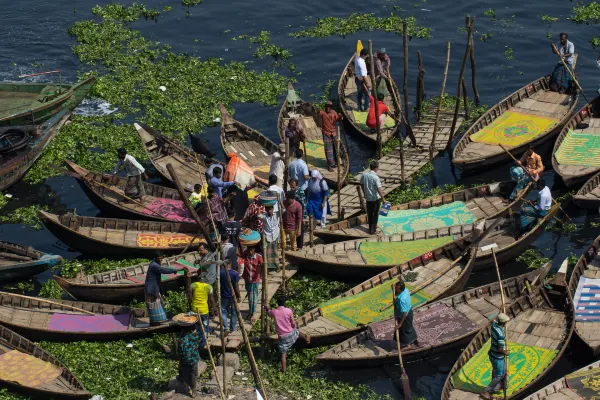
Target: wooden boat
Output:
{"points": [[468, 312], [13, 139], [32, 103], [64, 320], [571, 170], [21, 262], [310, 122], [110, 237], [347, 260], [159, 204], [485, 202], [588, 266], [541, 107], [64, 385], [589, 194], [438, 276], [254, 148], [572, 386], [162, 151], [14, 164], [117, 287], [538, 332], [347, 92]]}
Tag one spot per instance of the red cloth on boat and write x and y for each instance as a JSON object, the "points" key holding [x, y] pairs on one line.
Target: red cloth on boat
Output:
{"points": [[371, 122]]}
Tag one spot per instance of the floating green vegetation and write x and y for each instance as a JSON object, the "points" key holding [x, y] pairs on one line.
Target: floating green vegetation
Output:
{"points": [[25, 216], [548, 19], [307, 291], [356, 22], [70, 268], [490, 13], [486, 36], [587, 13], [120, 12], [532, 258], [281, 56], [509, 53]]}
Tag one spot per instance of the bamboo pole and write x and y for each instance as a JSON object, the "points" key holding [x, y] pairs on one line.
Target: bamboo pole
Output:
{"points": [[282, 237], [310, 230], [41, 300], [376, 101], [401, 140], [212, 360], [263, 313], [257, 380], [439, 108], [420, 86], [361, 197], [222, 330], [339, 170], [473, 65], [405, 88], [503, 308], [465, 96], [287, 164], [403, 376], [188, 205]]}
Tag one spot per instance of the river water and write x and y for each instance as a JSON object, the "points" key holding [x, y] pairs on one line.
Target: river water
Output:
{"points": [[34, 37]]}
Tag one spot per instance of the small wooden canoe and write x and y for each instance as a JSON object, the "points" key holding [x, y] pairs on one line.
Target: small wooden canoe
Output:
{"points": [[14, 164], [572, 386], [162, 151], [57, 383], [120, 286], [538, 334], [354, 258], [485, 202], [254, 148], [310, 121], [533, 108], [589, 194], [22, 262], [33, 103], [467, 312], [347, 92], [159, 204], [64, 320], [572, 148], [110, 237], [587, 328], [438, 274]]}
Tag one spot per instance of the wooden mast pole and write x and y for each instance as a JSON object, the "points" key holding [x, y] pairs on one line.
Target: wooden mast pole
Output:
{"points": [[439, 108], [473, 65], [376, 105], [405, 47]]}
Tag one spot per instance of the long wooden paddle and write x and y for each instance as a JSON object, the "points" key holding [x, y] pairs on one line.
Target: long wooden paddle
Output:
{"points": [[505, 378], [562, 60], [48, 302], [535, 180], [403, 377]]}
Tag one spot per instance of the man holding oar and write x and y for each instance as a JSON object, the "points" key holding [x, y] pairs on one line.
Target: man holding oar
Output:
{"points": [[498, 352], [404, 316], [134, 188]]}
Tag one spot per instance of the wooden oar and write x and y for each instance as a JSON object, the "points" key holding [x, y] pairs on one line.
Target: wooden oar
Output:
{"points": [[503, 309], [403, 377], [562, 60], [48, 301], [429, 281], [212, 360], [535, 179]]}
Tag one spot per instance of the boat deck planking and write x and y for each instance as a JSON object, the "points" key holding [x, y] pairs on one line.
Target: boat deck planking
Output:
{"points": [[560, 390]]}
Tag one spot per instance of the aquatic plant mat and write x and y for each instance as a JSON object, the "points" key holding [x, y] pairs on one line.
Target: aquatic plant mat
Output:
{"points": [[436, 325], [401, 221], [514, 128], [173, 210], [364, 307], [157, 240], [525, 363], [179, 264], [392, 253], [89, 323], [360, 118], [585, 383], [26, 370], [587, 300], [579, 149]]}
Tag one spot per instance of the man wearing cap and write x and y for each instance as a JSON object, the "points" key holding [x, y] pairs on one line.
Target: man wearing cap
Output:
{"points": [[382, 65], [134, 188], [277, 163], [329, 119], [498, 349]]}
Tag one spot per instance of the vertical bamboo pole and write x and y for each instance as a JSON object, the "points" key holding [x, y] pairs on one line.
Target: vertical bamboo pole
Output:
{"points": [[439, 108], [361, 198], [212, 360], [282, 238], [465, 97], [263, 313], [405, 88], [222, 330], [310, 230], [287, 165], [473, 65], [339, 171], [376, 105]]}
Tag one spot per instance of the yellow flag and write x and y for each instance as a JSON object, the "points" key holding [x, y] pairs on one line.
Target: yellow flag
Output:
{"points": [[359, 47]]}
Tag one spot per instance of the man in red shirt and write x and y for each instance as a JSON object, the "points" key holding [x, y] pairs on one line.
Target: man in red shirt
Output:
{"points": [[329, 118], [383, 112], [292, 218], [253, 265]]}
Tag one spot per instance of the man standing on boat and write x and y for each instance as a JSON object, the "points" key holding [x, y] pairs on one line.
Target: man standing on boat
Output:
{"points": [[361, 78], [371, 186], [154, 303], [497, 353], [382, 66], [329, 119], [277, 163], [134, 188], [562, 80], [404, 315]]}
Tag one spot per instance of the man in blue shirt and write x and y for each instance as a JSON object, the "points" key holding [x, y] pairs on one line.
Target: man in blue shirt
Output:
{"points": [[227, 299], [217, 183], [371, 186], [498, 350], [299, 170], [404, 315]]}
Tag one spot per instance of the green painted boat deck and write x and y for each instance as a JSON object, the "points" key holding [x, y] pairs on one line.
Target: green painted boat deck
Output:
{"points": [[15, 101]]}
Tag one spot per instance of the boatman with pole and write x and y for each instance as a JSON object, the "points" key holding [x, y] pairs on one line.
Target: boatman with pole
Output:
{"points": [[134, 188], [404, 316], [497, 353]]}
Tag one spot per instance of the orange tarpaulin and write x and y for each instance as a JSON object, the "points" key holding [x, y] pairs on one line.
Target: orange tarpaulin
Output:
{"points": [[238, 171]]}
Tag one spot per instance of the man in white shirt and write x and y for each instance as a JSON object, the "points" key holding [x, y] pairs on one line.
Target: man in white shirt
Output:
{"points": [[530, 213], [566, 49], [561, 80], [134, 188], [544, 196], [272, 231], [278, 163], [276, 191], [299, 170], [361, 78]]}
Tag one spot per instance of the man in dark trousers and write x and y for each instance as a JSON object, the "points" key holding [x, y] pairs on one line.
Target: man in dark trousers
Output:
{"points": [[371, 186]]}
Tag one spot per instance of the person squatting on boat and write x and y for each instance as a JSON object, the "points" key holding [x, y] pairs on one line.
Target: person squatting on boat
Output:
{"points": [[530, 212]]}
